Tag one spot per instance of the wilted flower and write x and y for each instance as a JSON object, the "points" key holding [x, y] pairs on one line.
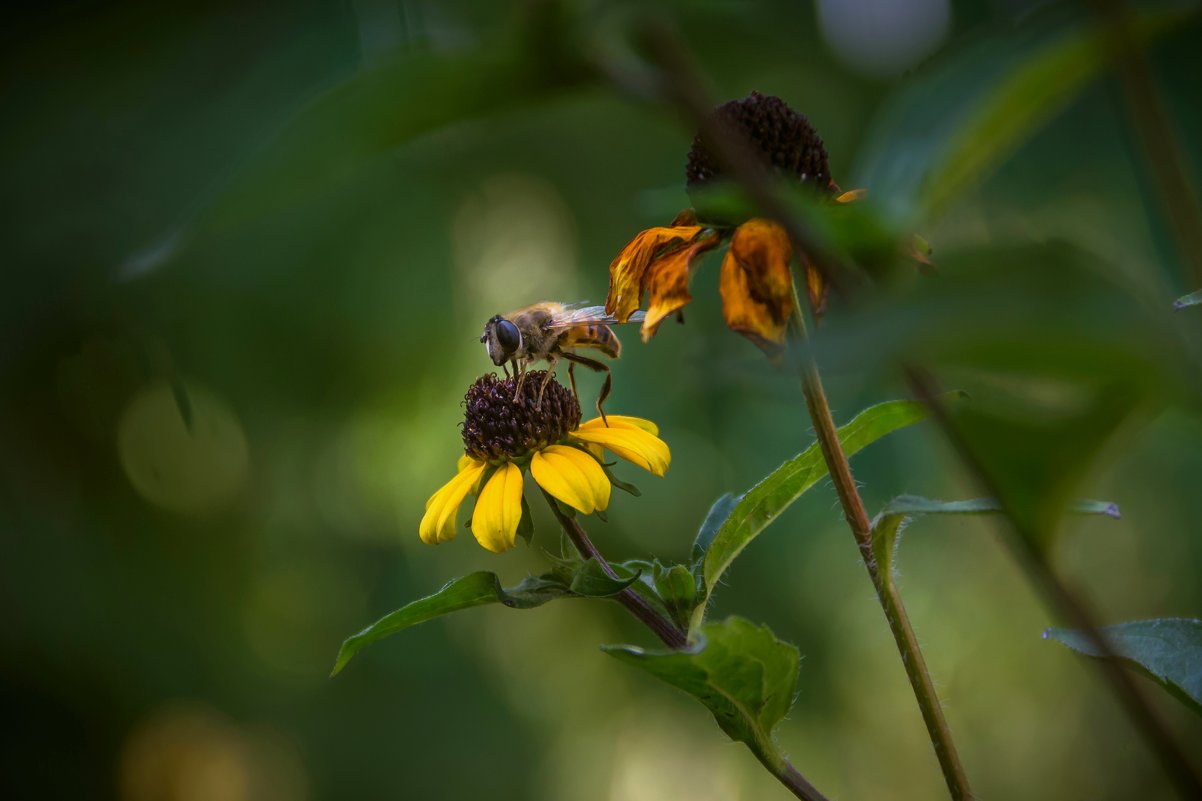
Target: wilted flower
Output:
{"points": [[756, 282]]}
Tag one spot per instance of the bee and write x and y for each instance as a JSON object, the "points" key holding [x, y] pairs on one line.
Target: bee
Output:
{"points": [[551, 331]]}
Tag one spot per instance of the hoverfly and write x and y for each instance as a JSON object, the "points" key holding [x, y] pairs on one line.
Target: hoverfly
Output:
{"points": [[550, 331]]}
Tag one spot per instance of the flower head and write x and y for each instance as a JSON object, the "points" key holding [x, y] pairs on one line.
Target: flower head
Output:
{"points": [[507, 433], [756, 282]]}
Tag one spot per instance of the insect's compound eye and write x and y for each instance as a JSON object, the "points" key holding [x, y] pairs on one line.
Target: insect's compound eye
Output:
{"points": [[508, 336]]}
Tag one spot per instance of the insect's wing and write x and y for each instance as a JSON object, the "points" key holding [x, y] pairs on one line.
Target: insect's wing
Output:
{"points": [[588, 315]]}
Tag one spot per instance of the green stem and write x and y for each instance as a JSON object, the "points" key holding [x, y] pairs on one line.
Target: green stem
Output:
{"points": [[890, 599], [663, 628]]}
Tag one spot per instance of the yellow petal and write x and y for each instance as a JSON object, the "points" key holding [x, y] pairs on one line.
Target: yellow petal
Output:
{"points": [[756, 285], [438, 523], [668, 280], [628, 271], [622, 421], [852, 195], [572, 476], [465, 462], [499, 509], [632, 444]]}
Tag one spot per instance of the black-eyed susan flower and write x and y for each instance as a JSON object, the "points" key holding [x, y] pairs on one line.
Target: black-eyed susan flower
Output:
{"points": [[756, 282], [505, 436]]}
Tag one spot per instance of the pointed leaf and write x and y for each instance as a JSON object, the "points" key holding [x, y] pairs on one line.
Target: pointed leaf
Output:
{"points": [[901, 510], [1167, 650], [1192, 299], [742, 673], [718, 514], [591, 581], [476, 589], [764, 502], [1020, 104]]}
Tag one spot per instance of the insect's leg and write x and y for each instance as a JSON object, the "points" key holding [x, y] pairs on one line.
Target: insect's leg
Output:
{"points": [[521, 376], [572, 380], [551, 362], [605, 388], [599, 367]]}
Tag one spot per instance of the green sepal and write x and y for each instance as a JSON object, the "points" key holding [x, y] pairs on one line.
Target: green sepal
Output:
{"points": [[625, 486], [526, 524], [677, 586], [1166, 650], [477, 589]]}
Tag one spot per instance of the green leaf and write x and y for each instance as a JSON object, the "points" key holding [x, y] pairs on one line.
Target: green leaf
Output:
{"points": [[764, 502], [1192, 299], [591, 581], [476, 589], [1167, 650], [718, 514], [1020, 103], [742, 673], [888, 525]]}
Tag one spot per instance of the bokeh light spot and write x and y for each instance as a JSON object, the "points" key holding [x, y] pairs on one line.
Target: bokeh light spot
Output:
{"points": [[190, 469]]}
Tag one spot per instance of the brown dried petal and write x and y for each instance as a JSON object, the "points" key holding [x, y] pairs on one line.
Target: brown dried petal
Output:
{"points": [[628, 272], [668, 281], [756, 285]]}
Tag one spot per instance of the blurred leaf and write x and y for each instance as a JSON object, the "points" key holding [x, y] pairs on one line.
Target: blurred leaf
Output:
{"points": [[476, 589], [1192, 299], [340, 134], [591, 581], [742, 673], [1167, 650], [947, 131], [898, 513], [764, 502]]}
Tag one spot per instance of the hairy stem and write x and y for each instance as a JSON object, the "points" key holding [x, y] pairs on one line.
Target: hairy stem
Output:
{"points": [[663, 628], [890, 599], [1172, 757]]}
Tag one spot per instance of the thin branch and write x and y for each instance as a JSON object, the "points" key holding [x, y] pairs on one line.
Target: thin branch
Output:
{"points": [[638, 606], [1160, 143], [1173, 759]]}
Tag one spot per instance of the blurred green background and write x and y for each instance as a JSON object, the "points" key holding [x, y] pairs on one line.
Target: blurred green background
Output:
{"points": [[289, 221]]}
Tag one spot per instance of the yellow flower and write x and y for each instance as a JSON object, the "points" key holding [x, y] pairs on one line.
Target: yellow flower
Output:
{"points": [[504, 436], [756, 282]]}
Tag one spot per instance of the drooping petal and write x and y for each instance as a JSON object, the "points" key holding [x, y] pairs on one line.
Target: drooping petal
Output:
{"points": [[628, 272], [668, 280], [756, 285], [621, 421], [851, 196], [438, 523], [572, 476], [817, 288], [631, 443], [499, 509]]}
